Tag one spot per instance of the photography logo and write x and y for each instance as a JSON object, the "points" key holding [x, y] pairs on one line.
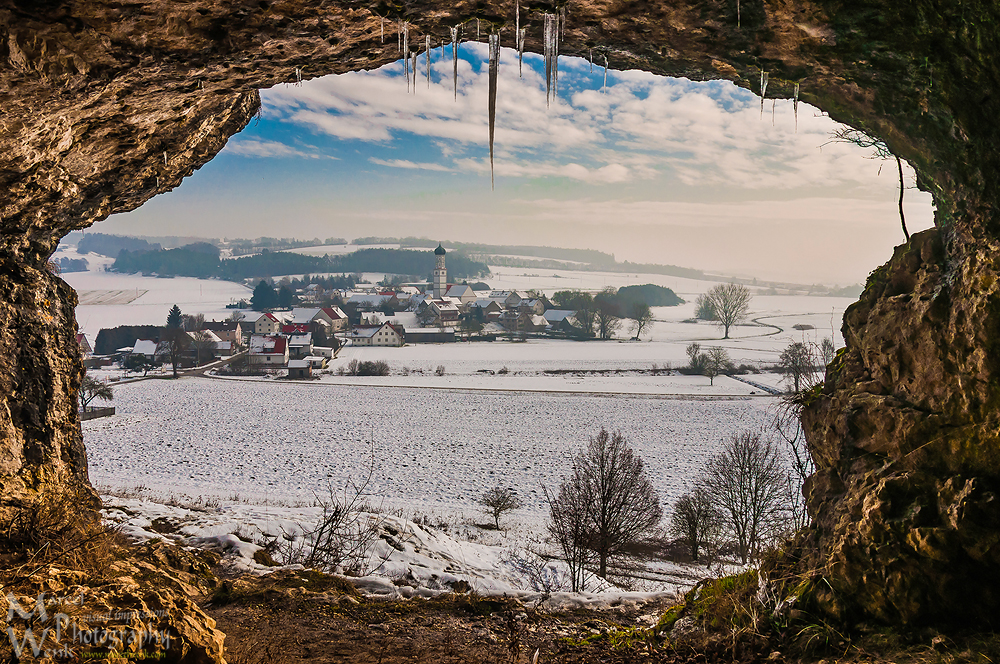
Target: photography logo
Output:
{"points": [[36, 629]]}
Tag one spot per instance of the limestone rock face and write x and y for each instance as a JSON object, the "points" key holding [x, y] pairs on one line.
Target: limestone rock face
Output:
{"points": [[906, 435], [106, 104]]}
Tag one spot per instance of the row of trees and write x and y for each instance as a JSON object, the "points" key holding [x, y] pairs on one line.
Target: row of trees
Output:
{"points": [[744, 499], [601, 315], [195, 261]]}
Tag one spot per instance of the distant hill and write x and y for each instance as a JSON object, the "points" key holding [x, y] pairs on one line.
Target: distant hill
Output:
{"points": [[112, 245]]}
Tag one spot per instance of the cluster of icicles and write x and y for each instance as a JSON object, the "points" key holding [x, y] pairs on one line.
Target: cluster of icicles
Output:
{"points": [[554, 28], [553, 32]]}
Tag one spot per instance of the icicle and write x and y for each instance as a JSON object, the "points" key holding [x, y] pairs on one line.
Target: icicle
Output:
{"points": [[494, 67], [562, 22], [383, 30], [164, 158], [591, 51], [298, 76], [415, 54], [517, 19], [399, 35], [737, 13], [763, 90], [605, 88], [427, 46], [521, 35], [454, 58], [795, 106], [551, 54], [157, 181], [405, 28], [477, 29]]}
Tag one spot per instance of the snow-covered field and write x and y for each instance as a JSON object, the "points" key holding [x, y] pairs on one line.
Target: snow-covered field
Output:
{"points": [[108, 299], [435, 451]]}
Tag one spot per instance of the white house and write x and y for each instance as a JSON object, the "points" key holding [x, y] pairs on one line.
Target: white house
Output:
{"points": [[463, 293], [267, 324], [376, 335], [300, 345], [268, 350]]}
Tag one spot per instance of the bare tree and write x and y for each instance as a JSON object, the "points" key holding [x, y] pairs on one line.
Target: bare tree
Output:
{"points": [[621, 506], [202, 342], [879, 151], [498, 501], [715, 362], [641, 316], [798, 365], [91, 388], [569, 526], [695, 520], [607, 313], [747, 483], [787, 424], [193, 322], [731, 303], [827, 351]]}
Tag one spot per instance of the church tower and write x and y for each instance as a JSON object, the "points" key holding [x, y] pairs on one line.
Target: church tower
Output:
{"points": [[440, 273]]}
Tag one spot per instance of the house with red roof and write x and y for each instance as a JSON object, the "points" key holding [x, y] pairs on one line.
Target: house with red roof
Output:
{"points": [[268, 323], [268, 350]]}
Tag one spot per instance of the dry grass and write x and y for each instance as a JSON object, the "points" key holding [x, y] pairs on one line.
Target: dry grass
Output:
{"points": [[57, 528]]}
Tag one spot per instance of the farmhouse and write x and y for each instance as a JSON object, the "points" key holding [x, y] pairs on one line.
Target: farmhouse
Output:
{"points": [[268, 350], [376, 335]]}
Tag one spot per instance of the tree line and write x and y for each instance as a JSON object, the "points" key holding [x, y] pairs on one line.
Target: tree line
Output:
{"points": [[193, 261], [601, 315]]}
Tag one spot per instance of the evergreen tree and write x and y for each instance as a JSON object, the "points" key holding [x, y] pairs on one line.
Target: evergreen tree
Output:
{"points": [[285, 298], [264, 297], [175, 319]]}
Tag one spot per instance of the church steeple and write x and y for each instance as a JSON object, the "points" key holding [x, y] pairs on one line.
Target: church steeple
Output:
{"points": [[440, 273]]}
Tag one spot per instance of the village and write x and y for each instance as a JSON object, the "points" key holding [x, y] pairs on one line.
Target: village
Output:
{"points": [[305, 337]]}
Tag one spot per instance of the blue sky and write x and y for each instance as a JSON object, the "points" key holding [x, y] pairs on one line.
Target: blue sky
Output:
{"points": [[651, 169]]}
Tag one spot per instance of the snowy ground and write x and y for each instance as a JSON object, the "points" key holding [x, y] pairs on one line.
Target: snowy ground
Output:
{"points": [[108, 299], [435, 451], [401, 558]]}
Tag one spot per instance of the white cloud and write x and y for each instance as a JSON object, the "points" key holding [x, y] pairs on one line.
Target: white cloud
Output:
{"points": [[694, 134], [249, 147], [402, 163]]}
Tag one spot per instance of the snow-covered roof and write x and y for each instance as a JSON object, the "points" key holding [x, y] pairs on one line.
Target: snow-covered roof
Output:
{"points": [[365, 298], [300, 340], [334, 312], [558, 315], [460, 290], [539, 321], [267, 345], [144, 347], [211, 335], [298, 364], [368, 331], [303, 315], [482, 303]]}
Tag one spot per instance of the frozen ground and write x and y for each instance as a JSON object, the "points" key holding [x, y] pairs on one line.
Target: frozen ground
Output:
{"points": [[401, 558], [435, 451]]}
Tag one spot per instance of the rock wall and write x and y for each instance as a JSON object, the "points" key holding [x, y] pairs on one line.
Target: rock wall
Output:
{"points": [[108, 103]]}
